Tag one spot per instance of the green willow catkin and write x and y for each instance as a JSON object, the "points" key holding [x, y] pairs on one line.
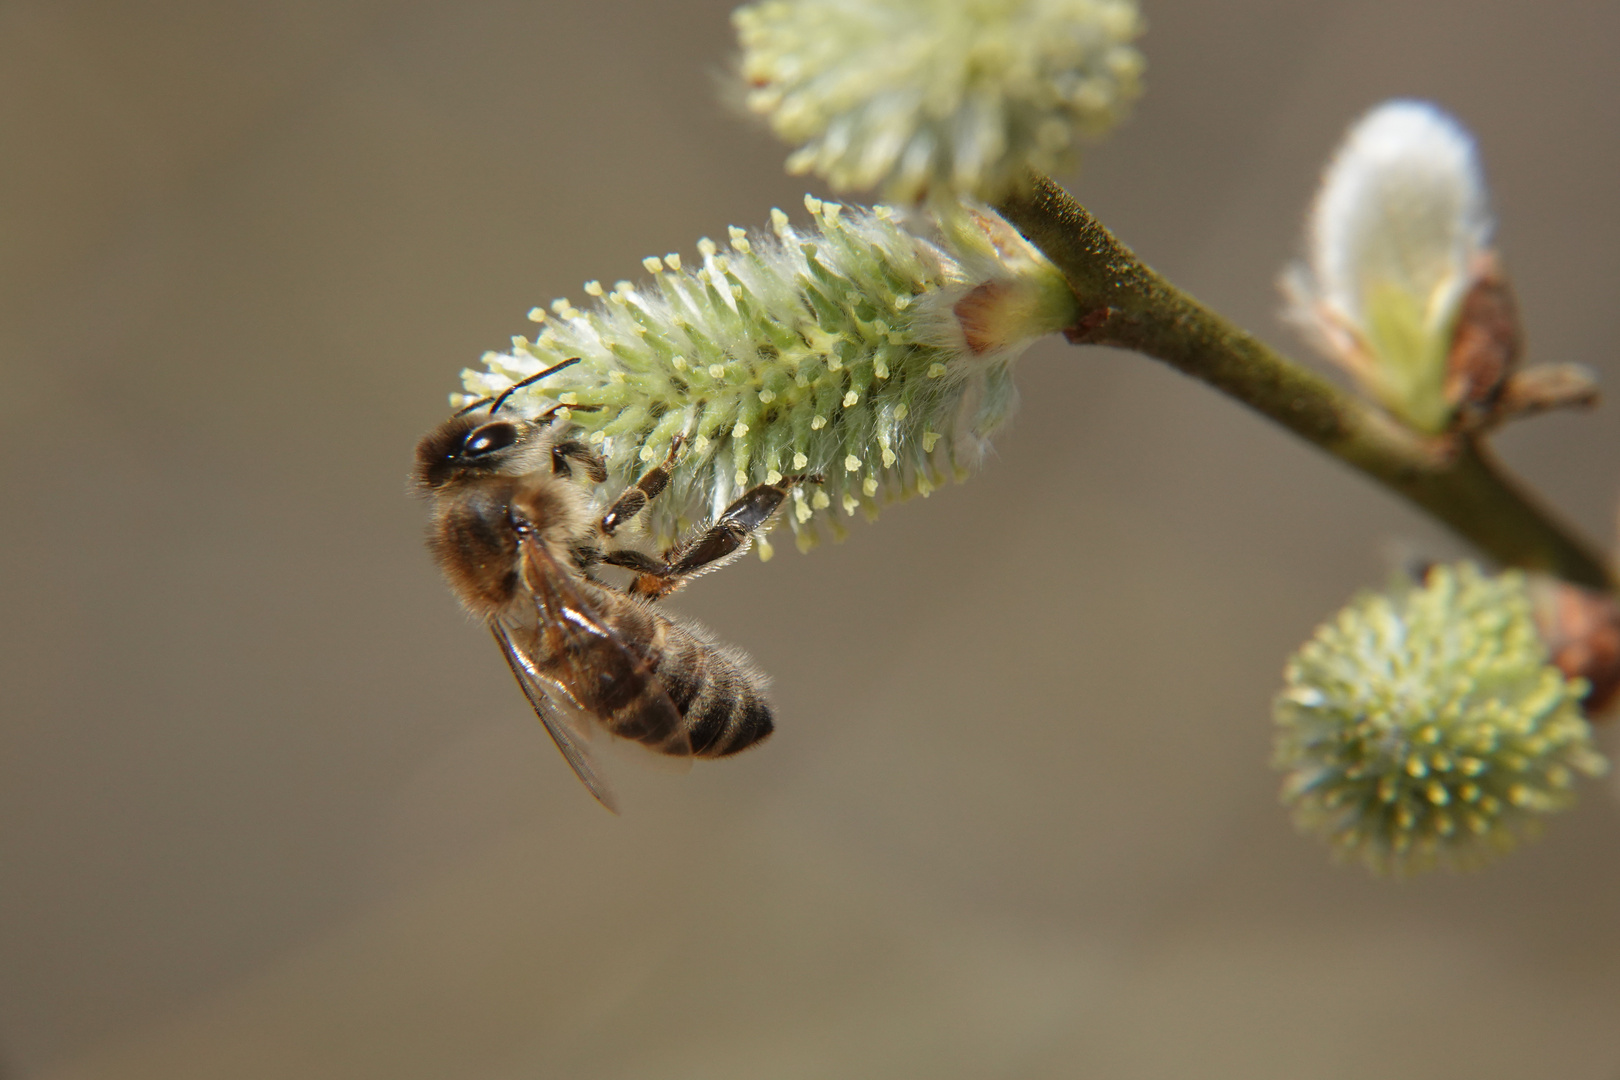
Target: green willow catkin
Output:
{"points": [[854, 349], [914, 98], [1429, 727]]}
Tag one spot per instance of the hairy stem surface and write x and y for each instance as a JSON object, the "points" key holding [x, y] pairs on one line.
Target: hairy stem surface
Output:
{"points": [[1130, 306]]}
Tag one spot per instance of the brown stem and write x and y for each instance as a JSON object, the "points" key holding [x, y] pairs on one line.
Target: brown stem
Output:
{"points": [[1455, 479]]}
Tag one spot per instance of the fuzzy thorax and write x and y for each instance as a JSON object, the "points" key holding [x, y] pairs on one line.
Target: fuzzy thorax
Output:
{"points": [[853, 348]]}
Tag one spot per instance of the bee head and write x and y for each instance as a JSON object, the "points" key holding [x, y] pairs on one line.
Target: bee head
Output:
{"points": [[476, 443], [467, 447]]}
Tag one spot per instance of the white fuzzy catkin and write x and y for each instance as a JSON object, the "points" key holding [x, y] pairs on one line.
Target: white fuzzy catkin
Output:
{"points": [[1394, 239]]}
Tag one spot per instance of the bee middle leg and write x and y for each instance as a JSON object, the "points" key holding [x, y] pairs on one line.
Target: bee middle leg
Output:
{"points": [[713, 547]]}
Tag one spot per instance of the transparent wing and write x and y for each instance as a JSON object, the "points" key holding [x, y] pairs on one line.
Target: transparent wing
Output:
{"points": [[580, 653], [540, 690]]}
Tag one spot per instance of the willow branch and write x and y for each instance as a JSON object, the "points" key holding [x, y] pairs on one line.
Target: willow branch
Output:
{"points": [[1456, 479]]}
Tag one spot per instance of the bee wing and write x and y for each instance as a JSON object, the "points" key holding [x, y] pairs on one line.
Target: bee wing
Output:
{"points": [[539, 690], [590, 661]]}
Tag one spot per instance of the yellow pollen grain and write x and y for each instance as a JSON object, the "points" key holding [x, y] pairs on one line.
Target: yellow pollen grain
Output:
{"points": [[673, 260], [560, 305], [901, 411], [936, 370], [568, 398], [678, 363], [739, 431], [930, 439], [800, 461], [597, 436], [765, 550], [717, 371], [1437, 793], [701, 444], [741, 478], [766, 397], [647, 453], [707, 248], [880, 369], [652, 264], [616, 378], [537, 315], [802, 511], [773, 477], [594, 288], [818, 422], [851, 504], [820, 500], [869, 486], [889, 458], [852, 463], [850, 399]]}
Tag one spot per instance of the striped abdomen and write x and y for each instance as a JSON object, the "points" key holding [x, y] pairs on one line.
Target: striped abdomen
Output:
{"points": [[717, 693]]}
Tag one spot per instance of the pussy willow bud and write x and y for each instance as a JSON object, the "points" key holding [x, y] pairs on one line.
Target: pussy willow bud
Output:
{"points": [[1429, 727], [1397, 242], [1581, 628], [854, 348], [919, 97]]}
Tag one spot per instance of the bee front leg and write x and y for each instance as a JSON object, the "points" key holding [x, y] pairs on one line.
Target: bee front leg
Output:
{"points": [[653, 481], [574, 450]]}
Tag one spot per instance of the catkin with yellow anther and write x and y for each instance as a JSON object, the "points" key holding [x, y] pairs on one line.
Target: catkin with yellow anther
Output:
{"points": [[855, 348], [1429, 727]]}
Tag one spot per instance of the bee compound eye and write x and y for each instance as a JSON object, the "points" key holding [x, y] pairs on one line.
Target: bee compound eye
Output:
{"points": [[488, 439]]}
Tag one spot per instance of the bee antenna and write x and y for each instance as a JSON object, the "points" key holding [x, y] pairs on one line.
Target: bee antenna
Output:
{"points": [[536, 377]]}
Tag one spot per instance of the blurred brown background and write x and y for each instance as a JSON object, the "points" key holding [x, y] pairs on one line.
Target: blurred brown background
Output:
{"points": [[270, 807]]}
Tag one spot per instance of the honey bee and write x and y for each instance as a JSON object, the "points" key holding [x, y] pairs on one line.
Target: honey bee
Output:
{"points": [[519, 540]]}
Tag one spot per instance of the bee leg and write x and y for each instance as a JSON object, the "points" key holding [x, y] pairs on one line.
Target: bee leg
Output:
{"points": [[724, 540], [653, 481], [574, 450], [639, 561]]}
